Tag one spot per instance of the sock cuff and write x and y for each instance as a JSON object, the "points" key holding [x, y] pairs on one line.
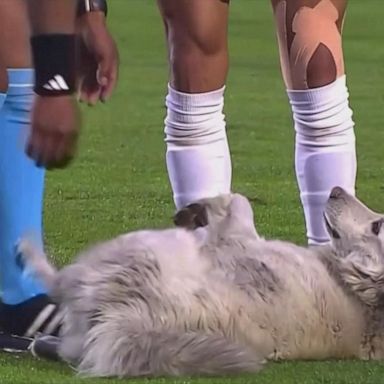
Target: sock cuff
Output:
{"points": [[188, 101], [317, 97], [20, 80], [21, 76], [322, 116]]}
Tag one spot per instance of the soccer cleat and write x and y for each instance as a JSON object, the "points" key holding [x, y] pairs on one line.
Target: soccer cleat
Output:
{"points": [[21, 323], [10, 343], [45, 347]]}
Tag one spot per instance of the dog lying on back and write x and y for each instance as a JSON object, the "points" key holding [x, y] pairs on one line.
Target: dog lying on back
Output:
{"points": [[173, 302]]}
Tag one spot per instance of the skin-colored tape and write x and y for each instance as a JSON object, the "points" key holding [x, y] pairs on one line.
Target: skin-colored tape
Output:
{"points": [[311, 27]]}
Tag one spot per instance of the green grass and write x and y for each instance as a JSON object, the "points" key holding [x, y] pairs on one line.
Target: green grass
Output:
{"points": [[119, 183]]}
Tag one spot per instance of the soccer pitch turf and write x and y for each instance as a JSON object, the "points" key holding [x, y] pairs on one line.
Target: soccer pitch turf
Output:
{"points": [[119, 183]]}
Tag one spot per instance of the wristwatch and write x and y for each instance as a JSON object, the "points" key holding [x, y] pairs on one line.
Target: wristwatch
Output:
{"points": [[85, 6]]}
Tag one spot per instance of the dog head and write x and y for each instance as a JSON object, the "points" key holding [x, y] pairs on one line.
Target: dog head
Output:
{"points": [[357, 236], [222, 216]]}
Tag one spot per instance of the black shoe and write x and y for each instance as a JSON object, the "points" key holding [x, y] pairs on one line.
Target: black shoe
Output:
{"points": [[10, 343], [38, 315], [46, 347]]}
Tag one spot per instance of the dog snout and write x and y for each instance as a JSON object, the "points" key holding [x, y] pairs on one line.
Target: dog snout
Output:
{"points": [[336, 192]]}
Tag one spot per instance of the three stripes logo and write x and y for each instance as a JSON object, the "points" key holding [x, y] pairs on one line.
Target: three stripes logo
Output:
{"points": [[56, 84]]}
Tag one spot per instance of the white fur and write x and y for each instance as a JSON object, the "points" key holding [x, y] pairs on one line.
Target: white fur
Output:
{"points": [[162, 303]]}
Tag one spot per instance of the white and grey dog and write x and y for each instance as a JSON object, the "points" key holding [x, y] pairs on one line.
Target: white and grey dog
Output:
{"points": [[167, 302]]}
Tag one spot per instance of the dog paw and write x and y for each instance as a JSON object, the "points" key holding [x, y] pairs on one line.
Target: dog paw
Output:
{"points": [[25, 248], [191, 217]]}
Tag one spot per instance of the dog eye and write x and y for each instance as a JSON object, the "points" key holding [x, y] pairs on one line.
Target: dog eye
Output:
{"points": [[376, 226]]}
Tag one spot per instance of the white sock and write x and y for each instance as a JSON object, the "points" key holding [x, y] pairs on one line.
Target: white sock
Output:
{"points": [[198, 158], [325, 150]]}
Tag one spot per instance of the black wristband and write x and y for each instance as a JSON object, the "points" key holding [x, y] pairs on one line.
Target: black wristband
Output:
{"points": [[54, 60], [84, 6]]}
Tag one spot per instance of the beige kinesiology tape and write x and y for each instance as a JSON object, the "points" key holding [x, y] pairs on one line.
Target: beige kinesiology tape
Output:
{"points": [[311, 27]]}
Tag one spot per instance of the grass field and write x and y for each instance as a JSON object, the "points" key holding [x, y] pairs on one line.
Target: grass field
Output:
{"points": [[119, 182]]}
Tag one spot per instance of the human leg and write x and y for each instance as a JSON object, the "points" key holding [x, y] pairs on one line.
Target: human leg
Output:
{"points": [[310, 42], [24, 303], [21, 188], [198, 159]]}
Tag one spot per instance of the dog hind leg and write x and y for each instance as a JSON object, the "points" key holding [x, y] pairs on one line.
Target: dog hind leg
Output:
{"points": [[162, 353]]}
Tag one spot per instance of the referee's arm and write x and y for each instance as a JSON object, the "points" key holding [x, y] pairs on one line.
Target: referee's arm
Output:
{"points": [[55, 124]]}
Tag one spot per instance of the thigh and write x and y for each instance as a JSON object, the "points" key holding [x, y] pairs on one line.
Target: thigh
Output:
{"points": [[310, 42]]}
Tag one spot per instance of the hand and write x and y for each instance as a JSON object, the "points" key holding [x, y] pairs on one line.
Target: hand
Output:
{"points": [[54, 131], [98, 59]]}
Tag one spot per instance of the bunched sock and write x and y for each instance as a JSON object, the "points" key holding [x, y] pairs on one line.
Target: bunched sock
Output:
{"points": [[198, 158], [325, 150]]}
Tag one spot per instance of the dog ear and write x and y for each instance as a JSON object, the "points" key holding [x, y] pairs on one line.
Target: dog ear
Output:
{"points": [[191, 217], [364, 275]]}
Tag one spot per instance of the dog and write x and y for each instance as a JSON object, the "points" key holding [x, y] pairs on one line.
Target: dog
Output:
{"points": [[213, 297]]}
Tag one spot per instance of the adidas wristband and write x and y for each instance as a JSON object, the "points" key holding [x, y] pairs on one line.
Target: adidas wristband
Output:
{"points": [[85, 6], [54, 61]]}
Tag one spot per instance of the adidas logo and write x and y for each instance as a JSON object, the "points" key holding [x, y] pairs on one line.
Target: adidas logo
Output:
{"points": [[56, 84]]}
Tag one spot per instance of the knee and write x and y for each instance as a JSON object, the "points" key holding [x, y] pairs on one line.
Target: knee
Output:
{"points": [[194, 56], [311, 44], [197, 51], [197, 67]]}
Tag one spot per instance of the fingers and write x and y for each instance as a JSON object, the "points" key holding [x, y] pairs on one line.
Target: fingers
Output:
{"points": [[89, 92], [107, 74], [54, 132], [107, 81], [54, 151], [99, 86], [98, 61]]}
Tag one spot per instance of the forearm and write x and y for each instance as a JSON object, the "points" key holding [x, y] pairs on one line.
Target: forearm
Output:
{"points": [[52, 16], [53, 25]]}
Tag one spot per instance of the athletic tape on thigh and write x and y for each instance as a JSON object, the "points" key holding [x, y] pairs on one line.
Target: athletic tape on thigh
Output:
{"points": [[311, 27]]}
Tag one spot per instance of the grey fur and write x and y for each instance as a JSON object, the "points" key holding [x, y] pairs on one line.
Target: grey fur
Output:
{"points": [[177, 301]]}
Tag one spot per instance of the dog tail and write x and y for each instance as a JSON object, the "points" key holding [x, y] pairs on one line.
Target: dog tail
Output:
{"points": [[163, 353], [34, 261]]}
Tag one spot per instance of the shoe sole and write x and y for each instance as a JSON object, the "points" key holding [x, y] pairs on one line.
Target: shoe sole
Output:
{"points": [[14, 344], [46, 347]]}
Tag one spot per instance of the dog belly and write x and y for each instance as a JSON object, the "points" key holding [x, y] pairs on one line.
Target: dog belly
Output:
{"points": [[306, 316]]}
